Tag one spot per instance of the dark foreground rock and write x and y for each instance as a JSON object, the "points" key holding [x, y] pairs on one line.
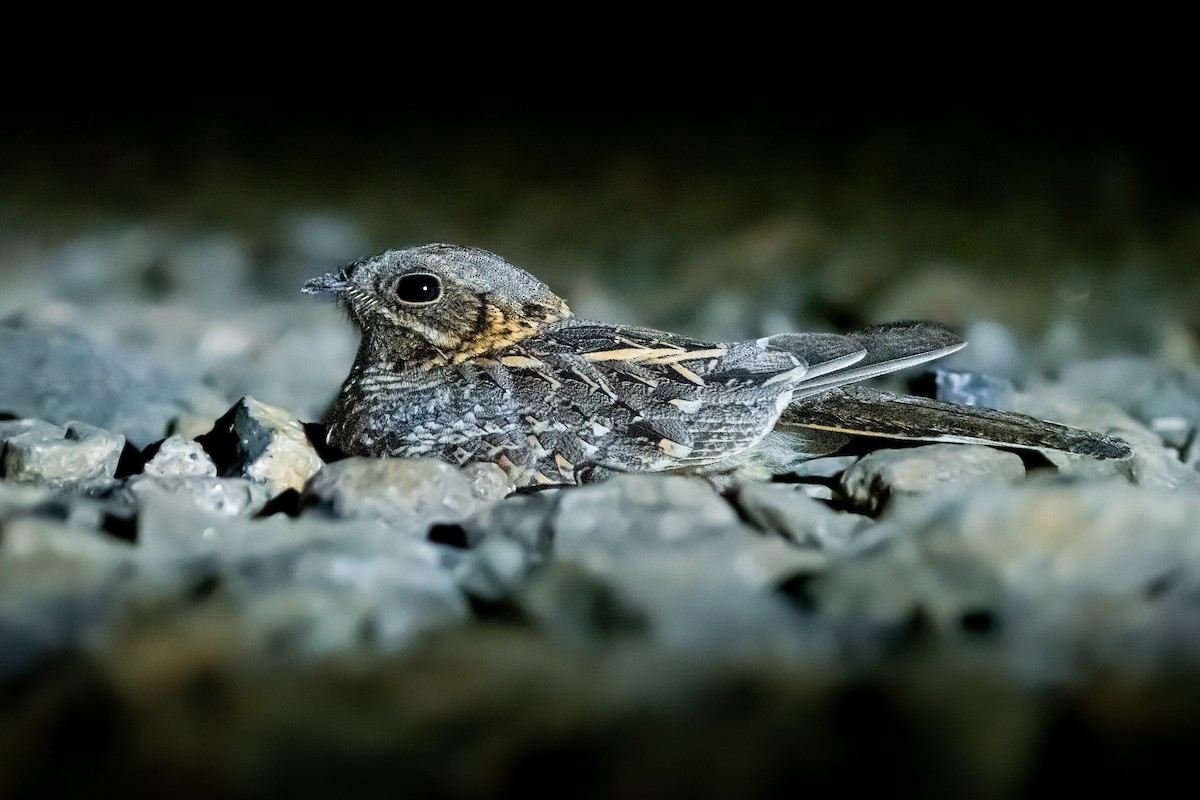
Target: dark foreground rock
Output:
{"points": [[265, 444]]}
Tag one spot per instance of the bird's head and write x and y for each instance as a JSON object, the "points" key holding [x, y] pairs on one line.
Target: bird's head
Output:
{"points": [[440, 304]]}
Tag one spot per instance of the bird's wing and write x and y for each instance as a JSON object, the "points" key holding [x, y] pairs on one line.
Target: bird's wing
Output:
{"points": [[886, 348], [780, 361], [641, 399]]}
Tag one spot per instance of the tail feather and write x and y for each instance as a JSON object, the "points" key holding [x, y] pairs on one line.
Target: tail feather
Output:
{"points": [[860, 411]]}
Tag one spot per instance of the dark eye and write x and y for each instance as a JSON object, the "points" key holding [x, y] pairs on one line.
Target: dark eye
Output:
{"points": [[419, 288]]}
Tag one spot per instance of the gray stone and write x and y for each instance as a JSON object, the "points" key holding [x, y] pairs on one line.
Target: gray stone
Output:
{"points": [[325, 597], [76, 456], [879, 476], [640, 511], [1191, 453], [177, 456], [17, 499], [1163, 397], [34, 429], [61, 376], [825, 467], [1173, 415], [527, 519], [305, 587], [487, 481], [226, 496], [407, 494], [576, 605], [210, 270], [1062, 578], [41, 557], [495, 568], [1153, 466], [993, 352], [263, 443], [662, 558], [817, 491], [709, 598], [787, 510], [59, 589], [973, 389], [173, 527], [78, 511], [285, 351]]}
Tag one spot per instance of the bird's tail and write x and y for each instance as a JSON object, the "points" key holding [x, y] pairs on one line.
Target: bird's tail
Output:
{"points": [[827, 420], [826, 411]]}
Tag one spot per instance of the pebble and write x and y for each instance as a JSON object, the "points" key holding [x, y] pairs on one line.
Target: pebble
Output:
{"points": [[380, 553], [62, 376], [302, 588], [60, 587], [264, 443], [882, 475], [527, 519], [1064, 577], [1164, 398], [409, 495], [973, 389], [494, 569], [788, 510], [75, 455], [1154, 464], [177, 456], [634, 511], [233, 497]]}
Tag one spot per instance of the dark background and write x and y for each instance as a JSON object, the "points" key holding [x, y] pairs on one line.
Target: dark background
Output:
{"points": [[1098, 162]]}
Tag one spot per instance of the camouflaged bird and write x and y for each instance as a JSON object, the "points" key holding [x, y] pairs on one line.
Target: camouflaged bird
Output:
{"points": [[466, 358]]}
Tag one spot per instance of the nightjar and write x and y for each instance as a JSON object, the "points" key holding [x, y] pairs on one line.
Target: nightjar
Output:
{"points": [[466, 358]]}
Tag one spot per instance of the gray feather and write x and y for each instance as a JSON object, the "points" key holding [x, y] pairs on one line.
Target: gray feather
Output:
{"points": [[868, 412], [888, 348]]}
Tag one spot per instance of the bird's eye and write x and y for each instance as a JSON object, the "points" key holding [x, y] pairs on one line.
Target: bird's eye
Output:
{"points": [[419, 288]]}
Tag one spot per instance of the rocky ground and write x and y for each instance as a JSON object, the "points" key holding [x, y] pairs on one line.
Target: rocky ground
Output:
{"points": [[197, 599]]}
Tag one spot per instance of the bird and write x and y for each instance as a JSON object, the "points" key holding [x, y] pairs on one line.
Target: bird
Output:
{"points": [[467, 358]]}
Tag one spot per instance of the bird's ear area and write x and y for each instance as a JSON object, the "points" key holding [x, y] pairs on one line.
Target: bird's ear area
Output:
{"points": [[545, 311]]}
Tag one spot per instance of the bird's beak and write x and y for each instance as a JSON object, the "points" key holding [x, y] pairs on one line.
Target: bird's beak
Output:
{"points": [[335, 282]]}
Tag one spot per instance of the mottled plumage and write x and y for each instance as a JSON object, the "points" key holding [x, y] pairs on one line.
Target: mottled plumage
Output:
{"points": [[465, 358]]}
